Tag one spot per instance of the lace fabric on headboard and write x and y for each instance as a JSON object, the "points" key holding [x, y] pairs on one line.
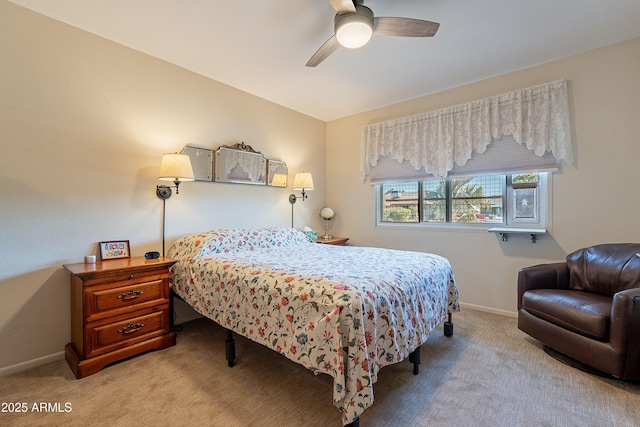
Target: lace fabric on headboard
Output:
{"points": [[253, 165]]}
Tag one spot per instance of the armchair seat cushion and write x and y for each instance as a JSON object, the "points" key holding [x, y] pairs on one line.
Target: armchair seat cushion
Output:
{"points": [[584, 313]]}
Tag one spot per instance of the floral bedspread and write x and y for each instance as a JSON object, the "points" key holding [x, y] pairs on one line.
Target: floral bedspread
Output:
{"points": [[341, 310]]}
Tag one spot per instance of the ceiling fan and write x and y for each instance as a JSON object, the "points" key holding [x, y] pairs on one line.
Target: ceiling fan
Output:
{"points": [[354, 25]]}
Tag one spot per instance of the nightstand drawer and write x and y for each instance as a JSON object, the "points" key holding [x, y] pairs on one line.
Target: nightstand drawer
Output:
{"points": [[128, 277], [104, 300], [112, 334]]}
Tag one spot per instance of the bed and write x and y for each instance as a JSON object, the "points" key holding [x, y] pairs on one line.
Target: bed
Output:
{"points": [[344, 311]]}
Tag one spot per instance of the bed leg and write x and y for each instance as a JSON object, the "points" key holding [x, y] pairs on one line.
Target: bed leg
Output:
{"points": [[414, 357], [230, 348], [448, 327], [354, 423]]}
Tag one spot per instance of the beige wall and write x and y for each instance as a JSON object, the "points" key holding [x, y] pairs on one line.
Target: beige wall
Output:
{"points": [[594, 201], [83, 126]]}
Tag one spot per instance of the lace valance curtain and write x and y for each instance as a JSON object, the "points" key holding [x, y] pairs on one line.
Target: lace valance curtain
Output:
{"points": [[433, 143]]}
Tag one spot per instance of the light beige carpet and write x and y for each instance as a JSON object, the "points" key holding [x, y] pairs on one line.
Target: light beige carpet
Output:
{"points": [[488, 374]]}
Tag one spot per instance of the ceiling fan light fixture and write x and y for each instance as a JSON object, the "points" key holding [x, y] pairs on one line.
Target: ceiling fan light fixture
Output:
{"points": [[354, 30]]}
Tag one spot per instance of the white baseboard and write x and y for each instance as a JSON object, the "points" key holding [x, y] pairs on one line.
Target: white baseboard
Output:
{"points": [[488, 310], [23, 366]]}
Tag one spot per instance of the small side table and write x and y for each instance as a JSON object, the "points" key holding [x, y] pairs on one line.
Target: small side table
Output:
{"points": [[119, 308], [336, 241]]}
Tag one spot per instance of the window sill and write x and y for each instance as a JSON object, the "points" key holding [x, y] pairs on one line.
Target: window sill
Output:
{"points": [[435, 226], [505, 231]]}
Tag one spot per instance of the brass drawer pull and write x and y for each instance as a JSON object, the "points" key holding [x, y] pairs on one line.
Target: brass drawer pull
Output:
{"points": [[130, 295], [132, 328]]}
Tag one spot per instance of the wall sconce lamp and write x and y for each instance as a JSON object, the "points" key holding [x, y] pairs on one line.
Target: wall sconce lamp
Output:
{"points": [[174, 167], [177, 168], [302, 181]]}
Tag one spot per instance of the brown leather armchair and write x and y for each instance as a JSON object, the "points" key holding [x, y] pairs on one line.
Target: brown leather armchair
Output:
{"points": [[588, 307]]}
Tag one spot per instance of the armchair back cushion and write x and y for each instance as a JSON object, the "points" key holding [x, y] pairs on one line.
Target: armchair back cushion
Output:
{"points": [[605, 269]]}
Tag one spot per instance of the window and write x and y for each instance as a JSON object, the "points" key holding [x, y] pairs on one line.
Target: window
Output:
{"points": [[524, 199], [400, 202], [492, 199]]}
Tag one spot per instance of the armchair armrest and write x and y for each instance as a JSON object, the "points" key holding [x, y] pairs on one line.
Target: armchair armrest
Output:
{"points": [[543, 276], [625, 322]]}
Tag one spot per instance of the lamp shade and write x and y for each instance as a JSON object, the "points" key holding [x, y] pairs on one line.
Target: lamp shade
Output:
{"points": [[327, 213], [176, 167], [354, 30], [303, 181]]}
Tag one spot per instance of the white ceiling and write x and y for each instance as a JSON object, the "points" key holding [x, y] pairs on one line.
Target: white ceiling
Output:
{"points": [[261, 46]]}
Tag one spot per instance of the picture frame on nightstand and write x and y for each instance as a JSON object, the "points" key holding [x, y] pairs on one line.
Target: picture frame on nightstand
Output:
{"points": [[115, 249]]}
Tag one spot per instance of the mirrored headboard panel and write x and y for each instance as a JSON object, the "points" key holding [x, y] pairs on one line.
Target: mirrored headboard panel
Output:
{"points": [[240, 164], [201, 162], [277, 173]]}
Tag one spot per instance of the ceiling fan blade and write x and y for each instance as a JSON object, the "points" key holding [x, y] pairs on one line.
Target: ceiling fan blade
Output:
{"points": [[404, 27], [325, 50], [342, 6]]}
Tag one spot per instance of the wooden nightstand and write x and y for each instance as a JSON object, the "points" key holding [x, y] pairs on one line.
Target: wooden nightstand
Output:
{"points": [[119, 308], [336, 241]]}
